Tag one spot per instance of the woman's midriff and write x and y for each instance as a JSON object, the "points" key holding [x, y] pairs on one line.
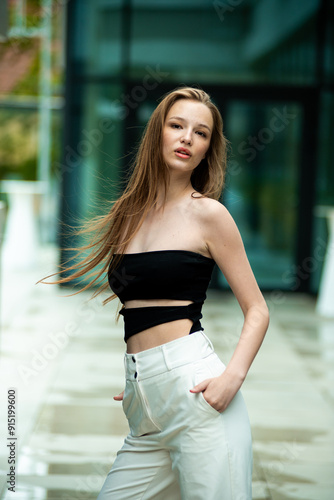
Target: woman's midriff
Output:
{"points": [[159, 334]]}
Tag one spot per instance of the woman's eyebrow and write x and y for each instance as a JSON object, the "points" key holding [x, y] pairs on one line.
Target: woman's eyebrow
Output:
{"points": [[183, 120]]}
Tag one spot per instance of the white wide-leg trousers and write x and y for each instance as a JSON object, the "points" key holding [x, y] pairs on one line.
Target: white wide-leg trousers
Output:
{"points": [[179, 446]]}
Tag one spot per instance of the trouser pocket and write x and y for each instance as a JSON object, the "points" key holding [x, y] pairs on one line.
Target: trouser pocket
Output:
{"points": [[208, 367], [136, 410]]}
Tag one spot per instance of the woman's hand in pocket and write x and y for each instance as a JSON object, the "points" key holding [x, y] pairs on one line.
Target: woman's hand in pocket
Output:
{"points": [[119, 397], [219, 391]]}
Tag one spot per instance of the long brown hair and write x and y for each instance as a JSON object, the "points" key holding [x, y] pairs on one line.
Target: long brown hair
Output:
{"points": [[111, 233]]}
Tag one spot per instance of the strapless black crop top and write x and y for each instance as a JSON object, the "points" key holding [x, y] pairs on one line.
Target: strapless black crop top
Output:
{"points": [[161, 274]]}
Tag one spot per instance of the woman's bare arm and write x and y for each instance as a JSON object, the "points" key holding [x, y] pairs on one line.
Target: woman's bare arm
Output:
{"points": [[226, 247]]}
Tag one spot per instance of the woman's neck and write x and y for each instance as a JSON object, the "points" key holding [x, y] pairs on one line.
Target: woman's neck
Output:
{"points": [[176, 191]]}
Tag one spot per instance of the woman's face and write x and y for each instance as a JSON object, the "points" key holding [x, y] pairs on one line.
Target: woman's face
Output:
{"points": [[186, 134]]}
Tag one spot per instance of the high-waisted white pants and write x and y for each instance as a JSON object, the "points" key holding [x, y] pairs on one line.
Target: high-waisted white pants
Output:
{"points": [[179, 446]]}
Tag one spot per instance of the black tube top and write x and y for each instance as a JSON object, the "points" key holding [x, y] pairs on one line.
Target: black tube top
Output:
{"points": [[161, 274]]}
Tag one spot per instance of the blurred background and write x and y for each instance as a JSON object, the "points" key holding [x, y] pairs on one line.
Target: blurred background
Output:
{"points": [[78, 81]]}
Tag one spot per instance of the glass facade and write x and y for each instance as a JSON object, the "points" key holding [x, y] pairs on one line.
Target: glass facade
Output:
{"points": [[268, 66], [31, 108], [262, 191]]}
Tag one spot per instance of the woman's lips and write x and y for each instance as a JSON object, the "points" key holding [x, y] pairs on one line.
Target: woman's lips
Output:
{"points": [[183, 153]]}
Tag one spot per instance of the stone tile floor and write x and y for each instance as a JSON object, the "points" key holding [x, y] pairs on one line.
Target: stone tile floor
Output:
{"points": [[64, 357]]}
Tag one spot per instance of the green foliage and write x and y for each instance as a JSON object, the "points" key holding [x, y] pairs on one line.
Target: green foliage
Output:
{"points": [[18, 144], [29, 84]]}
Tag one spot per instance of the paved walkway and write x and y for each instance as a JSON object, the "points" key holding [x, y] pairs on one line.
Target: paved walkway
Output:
{"points": [[64, 357]]}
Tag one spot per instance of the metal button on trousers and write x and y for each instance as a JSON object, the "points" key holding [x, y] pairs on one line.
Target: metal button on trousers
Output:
{"points": [[179, 447]]}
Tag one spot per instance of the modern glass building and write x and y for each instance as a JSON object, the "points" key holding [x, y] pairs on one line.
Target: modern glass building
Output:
{"points": [[268, 65]]}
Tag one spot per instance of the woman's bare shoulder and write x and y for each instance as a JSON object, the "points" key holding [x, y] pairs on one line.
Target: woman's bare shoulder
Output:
{"points": [[210, 210], [216, 221]]}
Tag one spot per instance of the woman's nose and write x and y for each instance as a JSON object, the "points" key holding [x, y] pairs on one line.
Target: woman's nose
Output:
{"points": [[186, 138]]}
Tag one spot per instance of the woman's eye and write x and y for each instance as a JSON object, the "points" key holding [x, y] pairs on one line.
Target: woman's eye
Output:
{"points": [[203, 134], [175, 125]]}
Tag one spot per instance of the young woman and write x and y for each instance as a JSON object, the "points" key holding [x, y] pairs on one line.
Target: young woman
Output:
{"points": [[189, 433]]}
